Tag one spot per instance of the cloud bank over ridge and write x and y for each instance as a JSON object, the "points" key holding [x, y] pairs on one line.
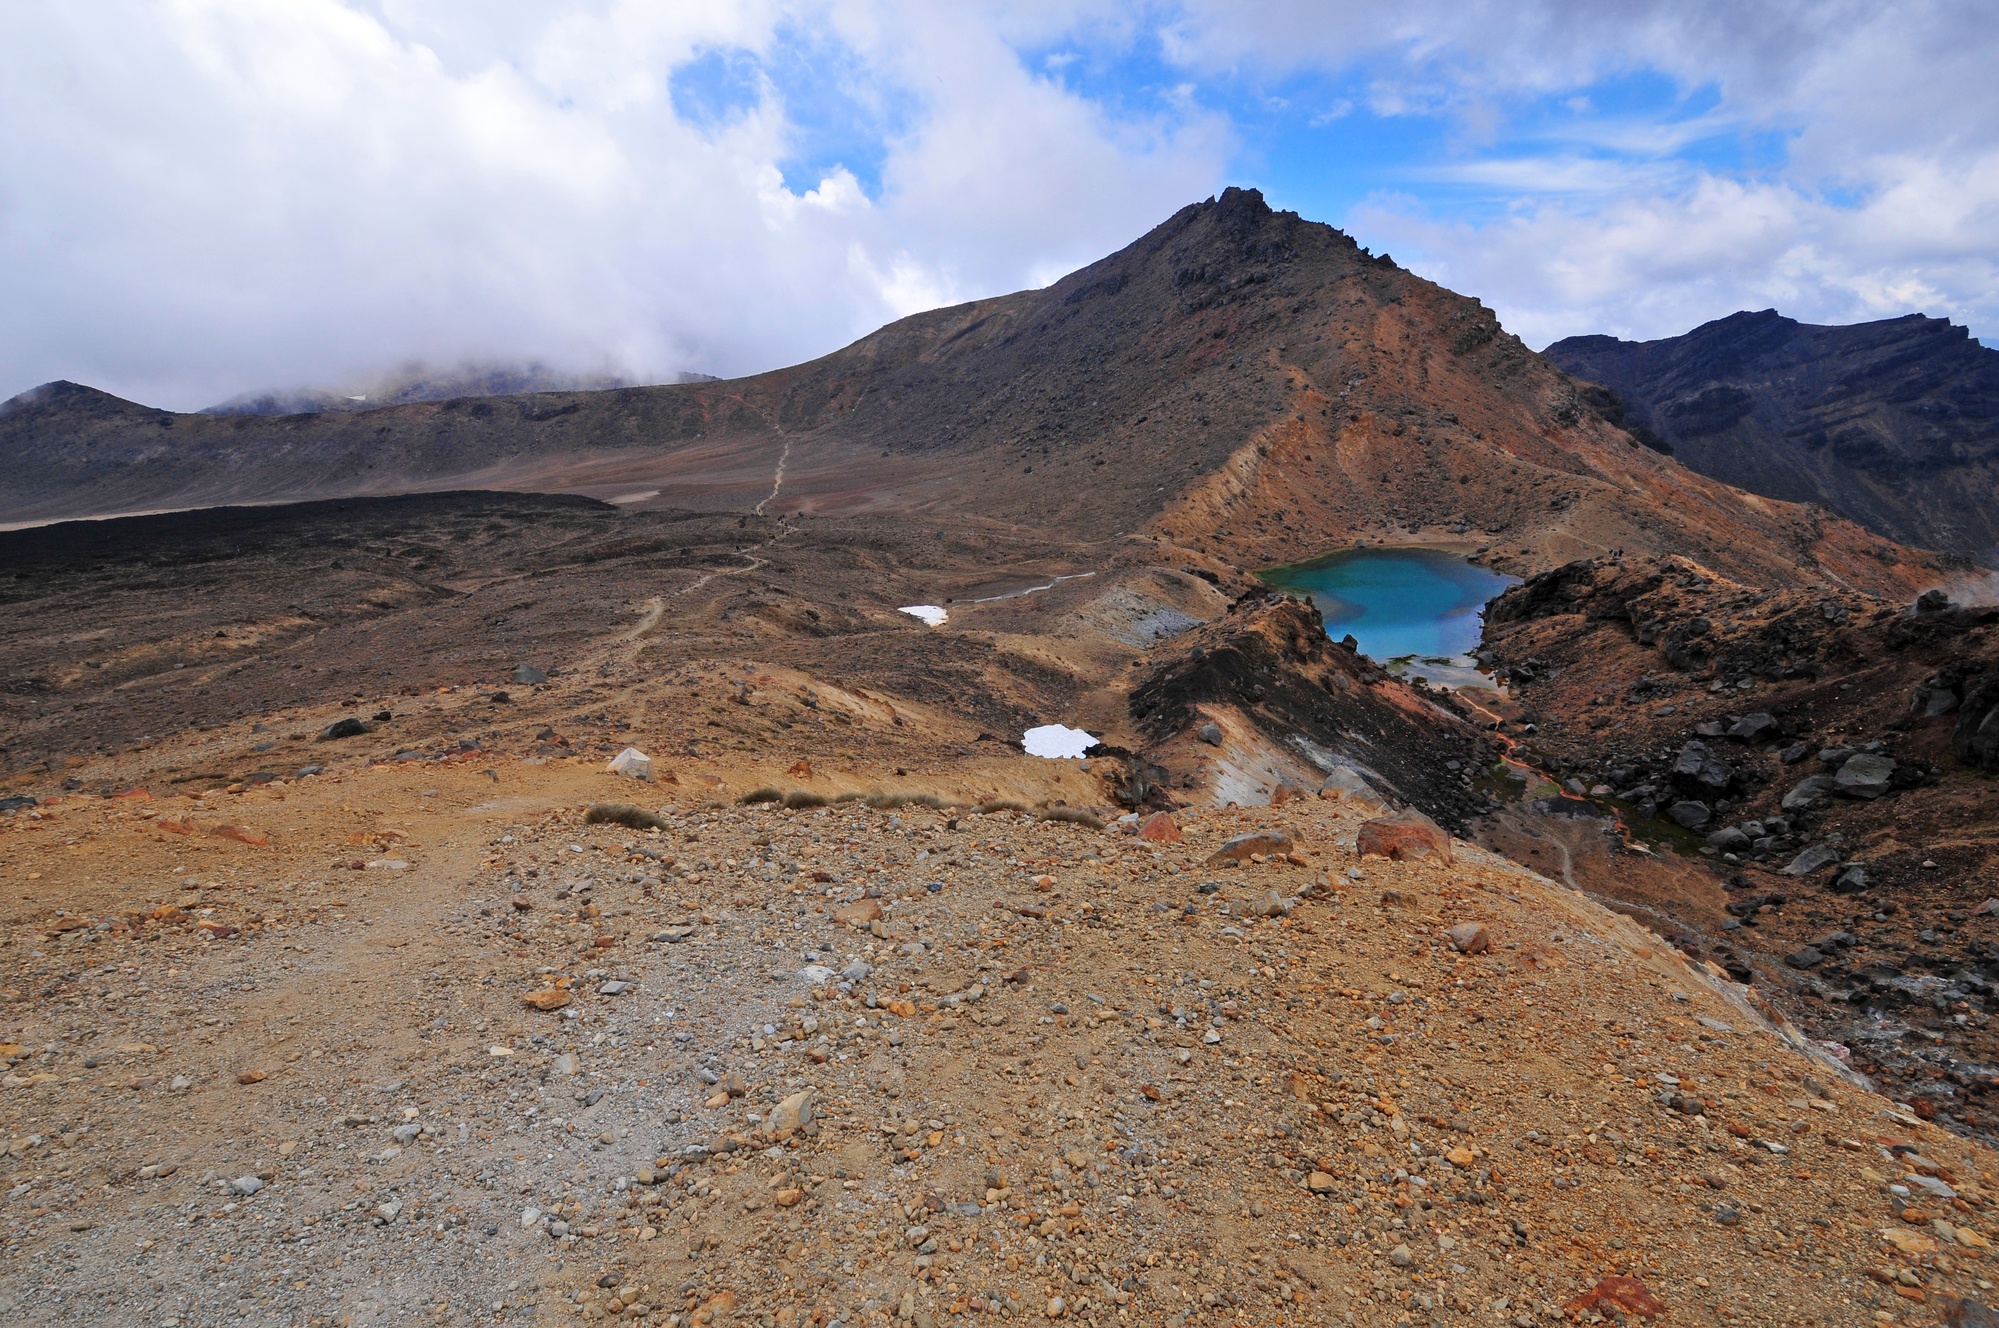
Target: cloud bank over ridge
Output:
{"points": [[205, 197]]}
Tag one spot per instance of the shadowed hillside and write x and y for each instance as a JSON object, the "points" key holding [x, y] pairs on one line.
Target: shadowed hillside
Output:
{"points": [[1893, 424]]}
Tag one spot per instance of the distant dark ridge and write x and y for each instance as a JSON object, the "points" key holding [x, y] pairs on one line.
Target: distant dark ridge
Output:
{"points": [[1892, 424], [223, 532]]}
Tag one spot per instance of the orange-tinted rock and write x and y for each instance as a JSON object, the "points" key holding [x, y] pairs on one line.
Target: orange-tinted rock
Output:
{"points": [[1470, 938], [1239, 849], [1160, 828], [242, 834], [550, 999], [1405, 837], [859, 913], [1627, 1295]]}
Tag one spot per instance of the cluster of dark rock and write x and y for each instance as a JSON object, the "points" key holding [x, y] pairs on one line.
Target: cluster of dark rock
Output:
{"points": [[1270, 660], [1974, 699]]}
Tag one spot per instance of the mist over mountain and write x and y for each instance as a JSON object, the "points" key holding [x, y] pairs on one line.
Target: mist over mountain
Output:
{"points": [[418, 382], [1892, 424]]}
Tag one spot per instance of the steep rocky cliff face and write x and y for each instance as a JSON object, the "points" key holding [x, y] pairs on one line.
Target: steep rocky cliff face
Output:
{"points": [[1894, 424]]}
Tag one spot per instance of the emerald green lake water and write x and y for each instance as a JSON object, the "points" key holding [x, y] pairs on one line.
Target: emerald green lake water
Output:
{"points": [[1418, 610]]}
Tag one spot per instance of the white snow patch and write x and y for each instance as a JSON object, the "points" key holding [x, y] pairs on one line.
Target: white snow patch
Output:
{"points": [[1057, 742], [930, 613]]}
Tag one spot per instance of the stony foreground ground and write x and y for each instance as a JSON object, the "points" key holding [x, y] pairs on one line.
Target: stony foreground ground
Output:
{"points": [[854, 1065]]}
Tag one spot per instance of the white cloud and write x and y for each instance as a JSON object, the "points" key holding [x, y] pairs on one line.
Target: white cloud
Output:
{"points": [[199, 197], [208, 196], [1656, 265], [1884, 197]]}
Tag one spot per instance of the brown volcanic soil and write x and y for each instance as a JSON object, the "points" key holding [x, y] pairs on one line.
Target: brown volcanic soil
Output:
{"points": [[287, 1073]]}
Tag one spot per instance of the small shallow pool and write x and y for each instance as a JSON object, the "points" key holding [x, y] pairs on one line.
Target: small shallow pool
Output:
{"points": [[1418, 611]]}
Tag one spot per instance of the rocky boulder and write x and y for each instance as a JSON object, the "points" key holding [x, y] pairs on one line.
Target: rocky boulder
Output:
{"points": [[1754, 727], [1349, 784], [1469, 938], [1865, 775], [1809, 792], [1816, 858], [632, 763], [1689, 815], [1698, 769], [790, 1116], [860, 913], [1404, 837], [1729, 839], [1269, 843], [1976, 738]]}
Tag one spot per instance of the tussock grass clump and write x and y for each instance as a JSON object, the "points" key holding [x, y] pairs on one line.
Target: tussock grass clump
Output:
{"points": [[804, 798], [1074, 816], [1002, 805], [622, 813], [885, 802], [755, 796]]}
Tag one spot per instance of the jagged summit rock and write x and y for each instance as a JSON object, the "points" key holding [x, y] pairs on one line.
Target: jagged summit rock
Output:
{"points": [[1892, 424]]}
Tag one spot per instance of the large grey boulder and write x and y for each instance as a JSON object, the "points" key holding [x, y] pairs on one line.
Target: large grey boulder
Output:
{"points": [[1729, 839], [1754, 727], [1689, 815], [1865, 775], [1698, 767], [1816, 858]]}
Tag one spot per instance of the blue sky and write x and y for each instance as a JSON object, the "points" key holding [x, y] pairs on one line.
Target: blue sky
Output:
{"points": [[229, 195]]}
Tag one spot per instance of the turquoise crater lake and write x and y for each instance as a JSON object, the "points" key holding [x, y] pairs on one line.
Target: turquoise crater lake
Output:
{"points": [[1418, 610]]}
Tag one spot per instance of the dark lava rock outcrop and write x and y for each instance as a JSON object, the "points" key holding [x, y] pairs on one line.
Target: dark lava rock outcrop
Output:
{"points": [[1270, 661], [1829, 755]]}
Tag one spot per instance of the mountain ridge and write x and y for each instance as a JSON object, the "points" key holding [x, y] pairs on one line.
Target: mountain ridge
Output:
{"points": [[1892, 424], [1238, 381]]}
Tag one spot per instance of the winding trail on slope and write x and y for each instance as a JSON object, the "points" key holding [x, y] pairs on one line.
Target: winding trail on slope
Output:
{"points": [[776, 480], [1030, 590]]}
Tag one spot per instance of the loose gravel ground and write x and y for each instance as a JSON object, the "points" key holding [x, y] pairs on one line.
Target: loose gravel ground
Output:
{"points": [[917, 1065]]}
